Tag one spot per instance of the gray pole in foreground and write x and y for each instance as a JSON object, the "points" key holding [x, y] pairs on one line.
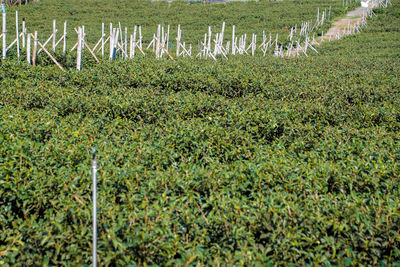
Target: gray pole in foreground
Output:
{"points": [[3, 11], [94, 199]]}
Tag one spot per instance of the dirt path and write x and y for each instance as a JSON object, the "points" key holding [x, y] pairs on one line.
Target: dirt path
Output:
{"points": [[349, 24], [352, 18]]}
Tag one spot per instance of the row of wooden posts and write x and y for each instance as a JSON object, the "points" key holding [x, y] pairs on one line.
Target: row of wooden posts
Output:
{"points": [[126, 48]]}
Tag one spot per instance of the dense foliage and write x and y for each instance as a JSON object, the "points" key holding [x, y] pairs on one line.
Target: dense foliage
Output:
{"points": [[247, 161]]}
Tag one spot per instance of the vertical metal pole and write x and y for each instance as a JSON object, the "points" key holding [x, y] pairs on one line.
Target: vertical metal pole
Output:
{"points": [[3, 11], [94, 199]]}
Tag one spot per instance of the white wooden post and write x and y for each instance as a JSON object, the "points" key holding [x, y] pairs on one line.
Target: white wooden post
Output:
{"points": [[35, 42], [111, 40], [115, 42], [134, 41], [120, 33], [233, 40], [83, 38], [178, 41], [126, 42], [209, 40], [17, 32], [130, 45], [23, 33], [167, 41], [111, 43], [253, 49], [162, 40], [222, 34], [204, 45], [102, 39], [79, 49], [158, 54], [54, 35], [65, 38], [28, 49], [140, 38]]}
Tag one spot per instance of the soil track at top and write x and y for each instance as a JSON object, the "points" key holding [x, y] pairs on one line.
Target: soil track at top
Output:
{"points": [[352, 18]]}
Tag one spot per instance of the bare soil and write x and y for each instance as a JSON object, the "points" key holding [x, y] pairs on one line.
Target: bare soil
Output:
{"points": [[352, 18]]}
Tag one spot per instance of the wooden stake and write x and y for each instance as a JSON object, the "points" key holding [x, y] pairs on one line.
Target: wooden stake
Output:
{"points": [[140, 49], [23, 33], [102, 39], [167, 41], [134, 41], [158, 41], [115, 43], [35, 42], [45, 43], [65, 38], [178, 40], [28, 49], [122, 49], [130, 46], [329, 15], [79, 49], [233, 40], [126, 43], [83, 38], [221, 36], [17, 33], [51, 57], [140, 39], [54, 35], [111, 40], [91, 51]]}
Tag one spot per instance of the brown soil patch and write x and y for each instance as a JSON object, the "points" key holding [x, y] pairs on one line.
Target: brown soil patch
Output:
{"points": [[352, 18]]}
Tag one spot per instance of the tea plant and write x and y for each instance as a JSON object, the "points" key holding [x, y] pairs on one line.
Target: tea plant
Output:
{"points": [[251, 161]]}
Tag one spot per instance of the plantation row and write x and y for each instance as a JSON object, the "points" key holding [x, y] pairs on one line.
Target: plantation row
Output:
{"points": [[250, 17], [245, 162]]}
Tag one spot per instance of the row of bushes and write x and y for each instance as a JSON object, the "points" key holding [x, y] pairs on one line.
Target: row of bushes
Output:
{"points": [[245, 162]]}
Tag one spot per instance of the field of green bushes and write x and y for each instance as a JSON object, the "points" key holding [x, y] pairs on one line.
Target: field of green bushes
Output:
{"points": [[249, 17], [250, 161]]}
